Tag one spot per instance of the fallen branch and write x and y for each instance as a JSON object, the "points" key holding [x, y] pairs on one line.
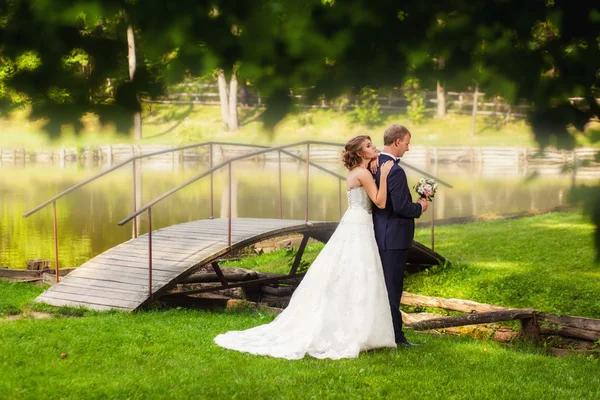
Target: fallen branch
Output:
{"points": [[588, 324], [567, 331], [473, 319], [409, 299]]}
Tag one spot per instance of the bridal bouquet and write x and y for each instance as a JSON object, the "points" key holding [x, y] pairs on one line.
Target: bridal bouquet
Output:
{"points": [[426, 188]]}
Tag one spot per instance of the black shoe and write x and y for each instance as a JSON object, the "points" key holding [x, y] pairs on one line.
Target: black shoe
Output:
{"points": [[406, 343]]}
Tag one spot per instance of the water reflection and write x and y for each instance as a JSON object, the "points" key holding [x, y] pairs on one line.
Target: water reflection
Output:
{"points": [[88, 217]]}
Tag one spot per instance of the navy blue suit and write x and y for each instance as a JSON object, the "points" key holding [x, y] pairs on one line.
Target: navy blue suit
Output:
{"points": [[394, 232]]}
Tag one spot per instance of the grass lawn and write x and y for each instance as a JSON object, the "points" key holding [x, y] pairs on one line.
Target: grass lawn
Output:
{"points": [[170, 355], [160, 354], [184, 124]]}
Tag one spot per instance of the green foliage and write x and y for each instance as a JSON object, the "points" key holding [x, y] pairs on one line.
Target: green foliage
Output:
{"points": [[416, 100], [367, 112]]}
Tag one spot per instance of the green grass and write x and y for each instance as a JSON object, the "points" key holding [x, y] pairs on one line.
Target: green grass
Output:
{"points": [[278, 261], [183, 124], [543, 262], [15, 296], [170, 354]]}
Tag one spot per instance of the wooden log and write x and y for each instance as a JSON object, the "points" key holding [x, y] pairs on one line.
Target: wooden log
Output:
{"points": [[204, 277], [19, 274], [37, 264], [409, 299], [245, 304], [568, 331], [275, 301], [473, 319], [530, 329], [574, 322], [278, 291]]}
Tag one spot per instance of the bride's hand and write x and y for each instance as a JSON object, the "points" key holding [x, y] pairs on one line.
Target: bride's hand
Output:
{"points": [[385, 168]]}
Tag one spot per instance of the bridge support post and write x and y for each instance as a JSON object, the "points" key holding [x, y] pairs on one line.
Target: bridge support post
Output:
{"points": [[299, 254]]}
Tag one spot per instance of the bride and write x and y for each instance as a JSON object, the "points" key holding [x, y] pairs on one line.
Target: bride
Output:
{"points": [[341, 306]]}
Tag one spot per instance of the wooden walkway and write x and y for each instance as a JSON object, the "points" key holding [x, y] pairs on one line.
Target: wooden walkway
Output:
{"points": [[118, 278]]}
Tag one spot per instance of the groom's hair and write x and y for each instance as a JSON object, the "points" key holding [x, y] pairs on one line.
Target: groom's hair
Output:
{"points": [[394, 132]]}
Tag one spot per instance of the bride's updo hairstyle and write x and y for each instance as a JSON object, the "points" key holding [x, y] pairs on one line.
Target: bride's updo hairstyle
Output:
{"points": [[351, 154]]}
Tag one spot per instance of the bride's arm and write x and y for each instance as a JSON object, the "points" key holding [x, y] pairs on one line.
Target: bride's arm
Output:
{"points": [[379, 197]]}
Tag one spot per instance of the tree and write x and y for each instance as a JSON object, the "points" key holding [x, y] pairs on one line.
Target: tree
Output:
{"points": [[549, 53], [137, 115], [228, 100]]}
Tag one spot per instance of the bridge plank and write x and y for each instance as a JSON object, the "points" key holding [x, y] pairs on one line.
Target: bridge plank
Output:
{"points": [[108, 294], [105, 301], [128, 264], [93, 282], [109, 276], [129, 270], [70, 303]]}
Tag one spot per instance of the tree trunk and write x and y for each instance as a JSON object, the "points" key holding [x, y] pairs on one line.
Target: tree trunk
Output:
{"points": [[233, 114], [244, 93], [475, 95], [441, 100], [223, 98], [137, 117]]}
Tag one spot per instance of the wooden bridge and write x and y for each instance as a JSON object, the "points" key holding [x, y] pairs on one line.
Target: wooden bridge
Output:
{"points": [[118, 278], [136, 273]]}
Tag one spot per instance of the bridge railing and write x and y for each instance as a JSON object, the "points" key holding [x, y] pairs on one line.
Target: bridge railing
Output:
{"points": [[228, 163], [131, 160]]}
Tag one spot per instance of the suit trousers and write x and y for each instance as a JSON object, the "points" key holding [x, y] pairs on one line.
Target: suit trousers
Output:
{"points": [[394, 265]]}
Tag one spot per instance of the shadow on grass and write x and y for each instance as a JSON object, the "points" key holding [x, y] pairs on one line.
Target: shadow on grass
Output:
{"points": [[178, 116]]}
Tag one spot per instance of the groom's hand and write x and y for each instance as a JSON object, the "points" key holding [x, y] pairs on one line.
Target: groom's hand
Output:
{"points": [[424, 203]]}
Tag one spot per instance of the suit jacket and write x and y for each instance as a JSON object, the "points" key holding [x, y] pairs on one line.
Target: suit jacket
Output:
{"points": [[395, 224]]}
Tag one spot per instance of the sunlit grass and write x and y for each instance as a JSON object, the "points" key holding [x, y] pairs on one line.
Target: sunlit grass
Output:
{"points": [[544, 262], [14, 296], [170, 353], [184, 124]]}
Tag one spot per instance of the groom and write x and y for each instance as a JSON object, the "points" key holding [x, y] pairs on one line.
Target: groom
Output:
{"points": [[395, 224]]}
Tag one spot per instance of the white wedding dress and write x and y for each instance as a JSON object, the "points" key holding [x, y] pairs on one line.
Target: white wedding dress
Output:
{"points": [[341, 306]]}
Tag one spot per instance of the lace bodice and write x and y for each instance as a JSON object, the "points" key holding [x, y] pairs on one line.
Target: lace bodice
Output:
{"points": [[358, 197]]}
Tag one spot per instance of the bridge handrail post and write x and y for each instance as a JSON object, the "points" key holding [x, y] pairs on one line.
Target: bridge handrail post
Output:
{"points": [[229, 207], [210, 163], [150, 252], [55, 229], [432, 226], [307, 171], [340, 196], [280, 187], [134, 199]]}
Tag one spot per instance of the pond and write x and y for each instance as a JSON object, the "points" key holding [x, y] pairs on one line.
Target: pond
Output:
{"points": [[88, 217]]}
